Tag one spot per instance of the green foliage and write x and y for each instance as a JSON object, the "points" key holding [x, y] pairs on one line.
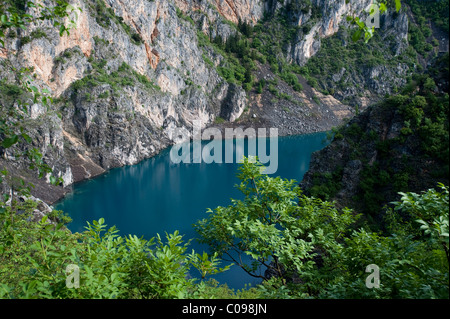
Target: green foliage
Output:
{"points": [[312, 82], [417, 39], [428, 118], [354, 58], [414, 110], [10, 91], [325, 186], [274, 226], [124, 76], [34, 257], [316, 99], [306, 239], [13, 16], [436, 11], [245, 28], [207, 61], [292, 80], [274, 90], [35, 34], [242, 49], [29, 250], [219, 120], [413, 257], [236, 67], [365, 32], [401, 161], [260, 87], [429, 84], [426, 11], [181, 15], [38, 33], [308, 245]]}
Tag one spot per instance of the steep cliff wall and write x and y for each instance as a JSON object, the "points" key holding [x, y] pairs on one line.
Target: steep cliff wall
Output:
{"points": [[233, 10], [124, 80], [323, 19]]}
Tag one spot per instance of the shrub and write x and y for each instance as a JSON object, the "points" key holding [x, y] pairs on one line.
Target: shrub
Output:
{"points": [[312, 82], [298, 87], [247, 86], [219, 120], [38, 33]]}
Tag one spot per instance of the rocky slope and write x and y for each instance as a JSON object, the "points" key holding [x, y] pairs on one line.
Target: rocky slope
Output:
{"points": [[132, 75], [398, 145]]}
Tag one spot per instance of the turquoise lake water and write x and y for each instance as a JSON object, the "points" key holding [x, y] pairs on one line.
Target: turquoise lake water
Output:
{"points": [[158, 196]]}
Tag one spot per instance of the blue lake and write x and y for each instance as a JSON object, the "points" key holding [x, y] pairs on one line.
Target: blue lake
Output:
{"points": [[158, 196]]}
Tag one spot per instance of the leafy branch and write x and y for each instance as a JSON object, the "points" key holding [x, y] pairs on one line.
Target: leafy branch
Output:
{"points": [[378, 6]]}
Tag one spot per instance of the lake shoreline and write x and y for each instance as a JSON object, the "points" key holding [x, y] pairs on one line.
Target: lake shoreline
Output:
{"points": [[67, 190]]}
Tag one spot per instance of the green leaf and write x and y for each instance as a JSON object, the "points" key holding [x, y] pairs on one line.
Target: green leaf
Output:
{"points": [[44, 219], [398, 5], [26, 137], [357, 35], [10, 141], [53, 180]]}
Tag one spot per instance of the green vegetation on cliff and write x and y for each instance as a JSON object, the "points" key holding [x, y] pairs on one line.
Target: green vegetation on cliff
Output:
{"points": [[401, 144]]}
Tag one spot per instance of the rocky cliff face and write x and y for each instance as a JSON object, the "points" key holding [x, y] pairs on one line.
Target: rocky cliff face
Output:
{"points": [[361, 74], [323, 19], [133, 74], [125, 78], [232, 10]]}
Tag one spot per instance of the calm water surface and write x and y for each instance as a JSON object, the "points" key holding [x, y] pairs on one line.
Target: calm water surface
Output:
{"points": [[158, 196]]}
